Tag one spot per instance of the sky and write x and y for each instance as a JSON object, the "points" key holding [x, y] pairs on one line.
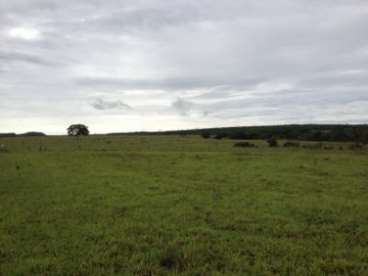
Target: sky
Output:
{"points": [[132, 65]]}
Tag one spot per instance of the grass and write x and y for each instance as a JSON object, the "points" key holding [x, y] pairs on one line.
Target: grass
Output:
{"points": [[175, 205]]}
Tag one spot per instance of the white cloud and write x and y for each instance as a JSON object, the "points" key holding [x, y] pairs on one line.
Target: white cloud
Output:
{"points": [[25, 33]]}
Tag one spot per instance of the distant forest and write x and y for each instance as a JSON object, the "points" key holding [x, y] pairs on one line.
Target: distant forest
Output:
{"points": [[340, 133]]}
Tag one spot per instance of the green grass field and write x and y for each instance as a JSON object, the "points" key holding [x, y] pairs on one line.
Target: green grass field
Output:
{"points": [[175, 205]]}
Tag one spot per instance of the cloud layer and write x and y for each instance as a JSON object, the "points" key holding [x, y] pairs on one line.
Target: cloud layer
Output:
{"points": [[149, 65]]}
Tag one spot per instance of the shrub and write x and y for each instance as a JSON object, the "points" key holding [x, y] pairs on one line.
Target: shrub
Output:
{"points": [[244, 145], [32, 133], [289, 144], [356, 146], [272, 142], [12, 134], [313, 146], [3, 148], [238, 136], [220, 136], [205, 135]]}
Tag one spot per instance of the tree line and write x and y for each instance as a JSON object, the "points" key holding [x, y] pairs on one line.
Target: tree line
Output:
{"points": [[338, 133]]}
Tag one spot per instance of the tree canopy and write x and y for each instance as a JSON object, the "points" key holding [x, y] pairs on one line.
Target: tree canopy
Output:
{"points": [[78, 130]]}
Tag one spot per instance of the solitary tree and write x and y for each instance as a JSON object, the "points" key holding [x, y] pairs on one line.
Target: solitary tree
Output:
{"points": [[78, 130]]}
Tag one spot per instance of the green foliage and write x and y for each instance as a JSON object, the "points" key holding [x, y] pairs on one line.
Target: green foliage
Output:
{"points": [[7, 135], [290, 144], [3, 148], [118, 205], [341, 133], [32, 133], [205, 135], [244, 145], [78, 130], [272, 142], [220, 136]]}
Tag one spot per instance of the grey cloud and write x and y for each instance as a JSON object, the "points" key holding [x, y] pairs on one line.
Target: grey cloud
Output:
{"points": [[190, 108], [224, 92], [350, 78], [214, 85], [102, 104], [212, 62], [183, 107], [10, 57]]}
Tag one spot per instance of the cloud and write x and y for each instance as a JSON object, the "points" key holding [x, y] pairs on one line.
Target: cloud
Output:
{"points": [[101, 104], [11, 57], [188, 63], [25, 33], [175, 83], [182, 107]]}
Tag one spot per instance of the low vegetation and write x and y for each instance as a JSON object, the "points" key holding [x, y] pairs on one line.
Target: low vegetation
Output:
{"points": [[172, 205], [272, 142], [289, 144], [244, 145], [338, 133]]}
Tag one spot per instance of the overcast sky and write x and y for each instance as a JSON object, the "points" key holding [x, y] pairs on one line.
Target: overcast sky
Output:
{"points": [[156, 65]]}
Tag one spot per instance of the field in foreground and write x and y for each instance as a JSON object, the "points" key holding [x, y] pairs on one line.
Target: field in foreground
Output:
{"points": [[180, 206]]}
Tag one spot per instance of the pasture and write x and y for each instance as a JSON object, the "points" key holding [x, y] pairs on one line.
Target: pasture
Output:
{"points": [[171, 205]]}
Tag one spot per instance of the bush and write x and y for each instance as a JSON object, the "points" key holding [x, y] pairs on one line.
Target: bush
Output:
{"points": [[244, 145], [220, 136], [356, 146], [8, 134], [32, 134], [238, 136], [3, 148], [272, 142], [289, 144], [205, 135], [313, 146]]}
